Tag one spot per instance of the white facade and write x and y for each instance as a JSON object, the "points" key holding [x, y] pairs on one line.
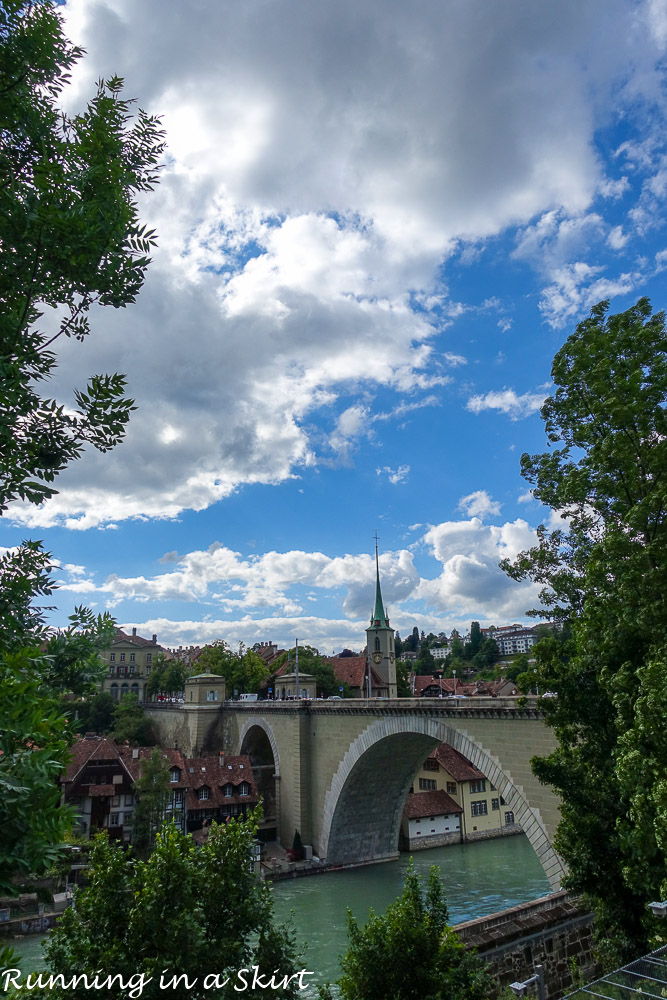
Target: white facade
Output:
{"points": [[430, 826]]}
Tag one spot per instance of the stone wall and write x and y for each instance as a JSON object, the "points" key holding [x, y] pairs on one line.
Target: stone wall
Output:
{"points": [[554, 931], [432, 840]]}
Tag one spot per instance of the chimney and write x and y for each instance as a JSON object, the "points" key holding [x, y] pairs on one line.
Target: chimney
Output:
{"points": [[134, 631], [135, 753], [154, 638], [221, 759]]}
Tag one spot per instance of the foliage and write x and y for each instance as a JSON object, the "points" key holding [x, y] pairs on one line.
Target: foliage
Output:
{"points": [[131, 724], [152, 797], [604, 574], [410, 953], [244, 671], [34, 741], [184, 909], [167, 676], [403, 689], [96, 714], [70, 237]]}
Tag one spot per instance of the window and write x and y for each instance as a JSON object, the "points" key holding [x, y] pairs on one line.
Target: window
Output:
{"points": [[203, 794], [115, 800], [132, 668], [228, 791], [148, 673], [149, 657], [114, 819], [477, 786], [211, 696], [451, 788], [427, 785], [509, 818], [111, 668], [431, 765], [131, 657], [244, 789], [128, 817], [112, 657], [495, 804], [478, 808], [122, 657], [175, 774], [128, 800], [377, 643]]}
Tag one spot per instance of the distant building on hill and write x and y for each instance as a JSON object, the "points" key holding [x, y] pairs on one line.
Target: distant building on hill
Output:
{"points": [[129, 659]]}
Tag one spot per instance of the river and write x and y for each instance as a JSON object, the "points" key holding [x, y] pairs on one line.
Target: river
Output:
{"points": [[479, 879]]}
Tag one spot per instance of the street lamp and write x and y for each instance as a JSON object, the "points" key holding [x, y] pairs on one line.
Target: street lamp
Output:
{"points": [[454, 676], [519, 989]]}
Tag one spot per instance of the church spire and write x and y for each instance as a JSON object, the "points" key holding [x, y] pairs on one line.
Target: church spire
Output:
{"points": [[379, 614]]}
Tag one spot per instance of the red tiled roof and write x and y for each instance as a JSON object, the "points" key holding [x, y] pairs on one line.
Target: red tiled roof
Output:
{"points": [[444, 684], [352, 670], [89, 749], [455, 763], [137, 640], [419, 804]]}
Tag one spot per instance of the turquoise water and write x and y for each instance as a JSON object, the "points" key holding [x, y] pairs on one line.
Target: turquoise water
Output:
{"points": [[479, 879]]}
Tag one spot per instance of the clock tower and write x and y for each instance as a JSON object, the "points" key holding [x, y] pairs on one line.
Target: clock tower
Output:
{"points": [[380, 653]]}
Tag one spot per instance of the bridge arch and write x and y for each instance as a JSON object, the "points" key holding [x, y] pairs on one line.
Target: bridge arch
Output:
{"points": [[255, 735], [364, 803]]}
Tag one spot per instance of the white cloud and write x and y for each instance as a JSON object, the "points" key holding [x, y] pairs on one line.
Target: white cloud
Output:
{"points": [[395, 476], [479, 504], [322, 170], [507, 401], [526, 497]]}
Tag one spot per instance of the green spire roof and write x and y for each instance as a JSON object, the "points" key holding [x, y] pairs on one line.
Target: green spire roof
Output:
{"points": [[379, 612]]}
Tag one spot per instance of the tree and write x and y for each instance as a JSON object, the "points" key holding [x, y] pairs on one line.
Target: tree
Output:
{"points": [[131, 724], [403, 689], [243, 671], [604, 576], [69, 238], [310, 662], [152, 797], [167, 676], [476, 638], [95, 715], [188, 910], [410, 953]]}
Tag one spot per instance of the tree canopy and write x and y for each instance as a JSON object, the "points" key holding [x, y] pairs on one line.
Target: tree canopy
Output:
{"points": [[192, 911], [409, 953], [70, 237], [604, 576]]}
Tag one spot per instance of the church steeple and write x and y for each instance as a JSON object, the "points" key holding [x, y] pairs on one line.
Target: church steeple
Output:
{"points": [[380, 654], [379, 616]]}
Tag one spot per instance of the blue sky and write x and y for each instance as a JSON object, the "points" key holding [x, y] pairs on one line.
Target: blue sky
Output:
{"points": [[378, 222]]}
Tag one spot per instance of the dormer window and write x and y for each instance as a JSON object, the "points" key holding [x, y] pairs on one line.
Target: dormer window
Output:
{"points": [[175, 774], [203, 794], [244, 788], [228, 790]]}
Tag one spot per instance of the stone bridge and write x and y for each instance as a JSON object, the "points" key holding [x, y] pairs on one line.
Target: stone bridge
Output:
{"points": [[343, 768]]}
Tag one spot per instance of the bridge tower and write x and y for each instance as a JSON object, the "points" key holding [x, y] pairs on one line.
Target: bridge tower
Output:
{"points": [[380, 653]]}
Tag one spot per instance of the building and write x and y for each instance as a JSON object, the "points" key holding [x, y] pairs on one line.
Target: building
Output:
{"points": [[380, 652], [439, 652], [483, 813], [129, 659], [517, 640], [355, 672], [286, 687], [430, 819], [100, 784]]}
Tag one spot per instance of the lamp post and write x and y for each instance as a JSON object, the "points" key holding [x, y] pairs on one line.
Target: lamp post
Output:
{"points": [[454, 676]]}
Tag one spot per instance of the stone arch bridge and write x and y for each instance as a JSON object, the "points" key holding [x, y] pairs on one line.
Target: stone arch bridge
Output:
{"points": [[343, 769]]}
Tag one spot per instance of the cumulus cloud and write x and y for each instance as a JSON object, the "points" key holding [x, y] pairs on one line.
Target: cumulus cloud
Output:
{"points": [[507, 401], [479, 504], [324, 164]]}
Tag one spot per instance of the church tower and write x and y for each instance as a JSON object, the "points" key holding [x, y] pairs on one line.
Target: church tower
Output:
{"points": [[380, 653]]}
